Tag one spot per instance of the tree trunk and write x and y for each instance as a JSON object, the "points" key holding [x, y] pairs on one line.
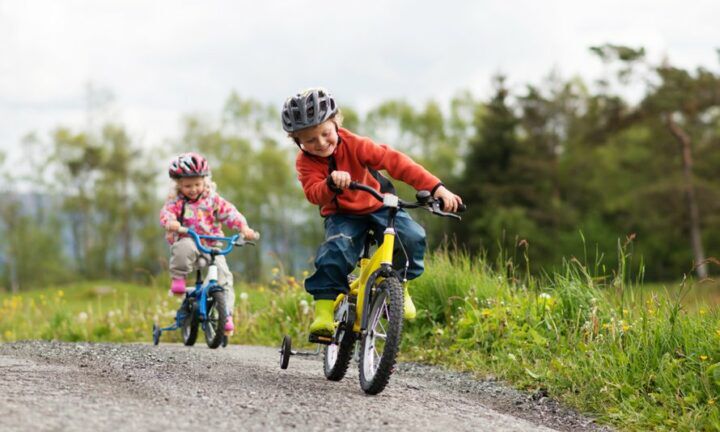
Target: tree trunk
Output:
{"points": [[689, 189]]}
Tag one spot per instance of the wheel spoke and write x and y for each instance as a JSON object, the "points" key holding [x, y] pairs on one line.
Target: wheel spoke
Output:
{"points": [[382, 327]]}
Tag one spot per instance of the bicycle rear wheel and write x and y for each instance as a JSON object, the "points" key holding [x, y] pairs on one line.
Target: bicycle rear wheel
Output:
{"points": [[381, 342], [214, 325], [337, 355]]}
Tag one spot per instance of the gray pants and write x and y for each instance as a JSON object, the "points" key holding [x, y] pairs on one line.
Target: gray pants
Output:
{"points": [[185, 257]]}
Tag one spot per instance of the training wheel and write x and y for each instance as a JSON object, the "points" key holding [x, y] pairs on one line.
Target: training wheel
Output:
{"points": [[285, 352], [156, 334]]}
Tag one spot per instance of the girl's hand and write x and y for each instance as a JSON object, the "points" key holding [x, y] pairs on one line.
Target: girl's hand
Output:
{"points": [[249, 234], [341, 179], [450, 200], [173, 226]]}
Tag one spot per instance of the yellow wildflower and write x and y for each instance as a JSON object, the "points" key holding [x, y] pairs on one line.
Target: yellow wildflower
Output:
{"points": [[486, 312], [703, 357]]}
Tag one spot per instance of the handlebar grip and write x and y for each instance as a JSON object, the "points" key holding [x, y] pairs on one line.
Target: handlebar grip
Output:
{"points": [[461, 208], [183, 230]]}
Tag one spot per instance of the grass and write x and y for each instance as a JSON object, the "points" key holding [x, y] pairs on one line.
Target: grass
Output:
{"points": [[637, 356], [121, 312]]}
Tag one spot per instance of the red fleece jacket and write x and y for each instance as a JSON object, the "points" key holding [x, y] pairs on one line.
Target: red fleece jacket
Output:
{"points": [[355, 154]]}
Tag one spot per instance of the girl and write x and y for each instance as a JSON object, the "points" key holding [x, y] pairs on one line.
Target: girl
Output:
{"points": [[195, 204]]}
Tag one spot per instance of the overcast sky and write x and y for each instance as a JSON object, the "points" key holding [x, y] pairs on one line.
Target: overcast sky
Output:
{"points": [[163, 59]]}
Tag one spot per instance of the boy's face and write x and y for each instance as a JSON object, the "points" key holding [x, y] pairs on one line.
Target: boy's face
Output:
{"points": [[320, 140], [192, 187]]}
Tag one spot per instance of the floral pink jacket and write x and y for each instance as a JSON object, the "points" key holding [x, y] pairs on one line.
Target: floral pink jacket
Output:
{"points": [[204, 216]]}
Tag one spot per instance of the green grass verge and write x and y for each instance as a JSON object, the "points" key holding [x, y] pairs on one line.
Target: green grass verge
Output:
{"points": [[120, 312], [631, 355]]}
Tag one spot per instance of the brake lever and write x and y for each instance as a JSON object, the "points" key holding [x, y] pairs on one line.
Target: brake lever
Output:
{"points": [[436, 209]]}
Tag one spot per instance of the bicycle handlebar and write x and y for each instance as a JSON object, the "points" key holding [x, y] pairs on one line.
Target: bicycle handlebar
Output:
{"points": [[428, 203], [235, 240]]}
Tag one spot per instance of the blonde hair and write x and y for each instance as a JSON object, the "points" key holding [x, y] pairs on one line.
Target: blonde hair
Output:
{"points": [[210, 186], [336, 118]]}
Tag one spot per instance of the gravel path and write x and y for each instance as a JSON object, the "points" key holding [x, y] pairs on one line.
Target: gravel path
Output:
{"points": [[52, 386]]}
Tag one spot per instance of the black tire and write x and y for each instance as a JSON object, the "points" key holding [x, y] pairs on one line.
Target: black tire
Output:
{"points": [[190, 324], [156, 334], [215, 323], [337, 356], [379, 350], [285, 352]]}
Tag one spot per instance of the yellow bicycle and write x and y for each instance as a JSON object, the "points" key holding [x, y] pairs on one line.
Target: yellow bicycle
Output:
{"points": [[372, 311]]}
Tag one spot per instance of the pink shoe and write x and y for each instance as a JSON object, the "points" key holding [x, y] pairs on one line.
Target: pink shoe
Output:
{"points": [[229, 326], [178, 286]]}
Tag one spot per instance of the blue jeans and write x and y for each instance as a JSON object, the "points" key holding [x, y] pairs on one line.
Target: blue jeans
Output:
{"points": [[344, 241]]}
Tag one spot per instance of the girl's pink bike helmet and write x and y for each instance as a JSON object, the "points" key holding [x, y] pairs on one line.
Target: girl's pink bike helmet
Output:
{"points": [[189, 165]]}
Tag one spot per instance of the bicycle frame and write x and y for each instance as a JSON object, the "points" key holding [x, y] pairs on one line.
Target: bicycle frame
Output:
{"points": [[201, 292], [373, 268]]}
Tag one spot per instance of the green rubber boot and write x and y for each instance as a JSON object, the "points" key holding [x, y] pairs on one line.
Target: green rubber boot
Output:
{"points": [[409, 312], [324, 324]]}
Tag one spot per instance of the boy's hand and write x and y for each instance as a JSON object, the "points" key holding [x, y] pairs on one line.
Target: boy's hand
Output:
{"points": [[341, 179], [250, 234], [173, 226], [450, 200]]}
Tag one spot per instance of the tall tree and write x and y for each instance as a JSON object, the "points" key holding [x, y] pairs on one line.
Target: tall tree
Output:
{"points": [[684, 103], [491, 182], [254, 170]]}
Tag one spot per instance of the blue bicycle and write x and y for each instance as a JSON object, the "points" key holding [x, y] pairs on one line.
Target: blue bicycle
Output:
{"points": [[203, 306]]}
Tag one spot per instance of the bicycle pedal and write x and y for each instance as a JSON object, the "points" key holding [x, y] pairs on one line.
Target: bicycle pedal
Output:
{"points": [[325, 340]]}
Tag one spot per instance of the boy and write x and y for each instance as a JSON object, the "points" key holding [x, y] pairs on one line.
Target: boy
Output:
{"points": [[330, 157]]}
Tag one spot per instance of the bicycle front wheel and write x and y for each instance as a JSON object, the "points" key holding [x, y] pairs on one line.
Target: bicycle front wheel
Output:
{"points": [[381, 342], [190, 323], [215, 323]]}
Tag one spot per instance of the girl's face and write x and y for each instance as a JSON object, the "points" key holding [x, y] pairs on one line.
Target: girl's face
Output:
{"points": [[320, 140], [192, 187]]}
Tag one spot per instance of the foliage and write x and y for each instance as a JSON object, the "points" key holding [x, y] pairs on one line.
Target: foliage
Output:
{"points": [[536, 164]]}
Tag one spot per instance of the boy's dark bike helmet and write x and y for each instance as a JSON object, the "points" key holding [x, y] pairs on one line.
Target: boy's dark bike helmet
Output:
{"points": [[307, 109]]}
